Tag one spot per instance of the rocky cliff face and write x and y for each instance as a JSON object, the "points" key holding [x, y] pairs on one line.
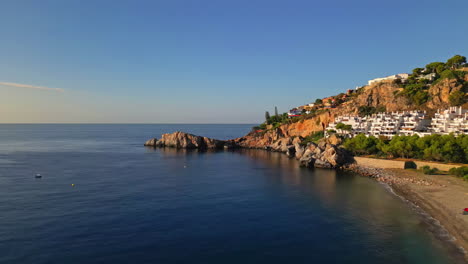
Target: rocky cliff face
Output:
{"points": [[441, 91]]}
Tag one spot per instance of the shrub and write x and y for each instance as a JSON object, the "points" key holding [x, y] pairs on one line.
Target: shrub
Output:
{"points": [[448, 74], [459, 172], [428, 170], [313, 138], [420, 97], [366, 110], [457, 98]]}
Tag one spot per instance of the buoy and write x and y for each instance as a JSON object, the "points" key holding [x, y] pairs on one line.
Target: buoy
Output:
{"points": [[73, 185]]}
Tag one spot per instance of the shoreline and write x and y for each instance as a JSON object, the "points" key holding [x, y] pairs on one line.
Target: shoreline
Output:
{"points": [[439, 197], [428, 195]]}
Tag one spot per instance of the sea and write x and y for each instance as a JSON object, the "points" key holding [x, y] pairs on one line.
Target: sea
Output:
{"points": [[105, 198]]}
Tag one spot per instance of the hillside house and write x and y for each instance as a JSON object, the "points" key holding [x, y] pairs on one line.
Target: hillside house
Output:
{"points": [[401, 76]]}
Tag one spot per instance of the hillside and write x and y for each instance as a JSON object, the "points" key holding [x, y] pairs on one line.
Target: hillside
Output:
{"points": [[416, 93]]}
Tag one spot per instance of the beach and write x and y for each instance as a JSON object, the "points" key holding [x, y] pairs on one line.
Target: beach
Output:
{"points": [[442, 197]]}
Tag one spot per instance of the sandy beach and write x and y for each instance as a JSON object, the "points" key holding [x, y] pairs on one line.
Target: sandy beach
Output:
{"points": [[442, 197]]}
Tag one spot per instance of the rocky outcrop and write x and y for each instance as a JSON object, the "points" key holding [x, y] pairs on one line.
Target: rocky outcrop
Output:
{"points": [[321, 155], [441, 91], [324, 155], [183, 140]]}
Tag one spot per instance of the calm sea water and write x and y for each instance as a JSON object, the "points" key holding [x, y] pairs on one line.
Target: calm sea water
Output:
{"points": [[132, 204]]}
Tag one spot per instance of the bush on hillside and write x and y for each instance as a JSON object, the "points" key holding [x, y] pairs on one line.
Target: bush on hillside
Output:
{"points": [[457, 98], [430, 171], [314, 137], [459, 172]]}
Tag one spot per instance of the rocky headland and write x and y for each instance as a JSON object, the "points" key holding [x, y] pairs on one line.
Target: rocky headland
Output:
{"points": [[324, 154]]}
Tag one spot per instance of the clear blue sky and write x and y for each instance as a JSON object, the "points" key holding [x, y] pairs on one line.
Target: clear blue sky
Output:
{"points": [[208, 61]]}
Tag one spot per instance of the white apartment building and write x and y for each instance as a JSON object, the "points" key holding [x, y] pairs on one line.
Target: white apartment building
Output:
{"points": [[385, 124], [452, 120], [401, 76], [414, 122], [358, 124]]}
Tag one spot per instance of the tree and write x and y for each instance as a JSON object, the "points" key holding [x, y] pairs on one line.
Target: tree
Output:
{"points": [[340, 127], [318, 101], [456, 61], [364, 110], [276, 111], [362, 145], [457, 98], [417, 71], [420, 97], [435, 67], [267, 116], [348, 128]]}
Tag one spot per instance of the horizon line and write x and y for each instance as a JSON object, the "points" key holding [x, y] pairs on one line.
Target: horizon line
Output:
{"points": [[117, 123]]}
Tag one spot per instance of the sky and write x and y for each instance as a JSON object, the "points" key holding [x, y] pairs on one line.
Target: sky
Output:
{"points": [[208, 61]]}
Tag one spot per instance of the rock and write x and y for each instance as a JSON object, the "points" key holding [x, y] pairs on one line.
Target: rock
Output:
{"points": [[291, 151], [322, 144], [281, 145], [299, 150], [307, 160], [152, 142], [230, 145], [322, 164], [183, 140], [334, 140]]}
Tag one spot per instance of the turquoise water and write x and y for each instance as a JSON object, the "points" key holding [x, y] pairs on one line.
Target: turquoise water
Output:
{"points": [[132, 204]]}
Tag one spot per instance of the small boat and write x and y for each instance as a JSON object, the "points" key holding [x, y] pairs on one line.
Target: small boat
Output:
{"points": [[37, 176]]}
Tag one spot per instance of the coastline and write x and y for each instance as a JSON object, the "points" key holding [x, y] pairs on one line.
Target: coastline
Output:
{"points": [[437, 198]]}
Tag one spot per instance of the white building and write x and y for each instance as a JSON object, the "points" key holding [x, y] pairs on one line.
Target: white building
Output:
{"points": [[358, 124], [385, 124], [430, 77], [452, 120], [414, 122], [402, 76]]}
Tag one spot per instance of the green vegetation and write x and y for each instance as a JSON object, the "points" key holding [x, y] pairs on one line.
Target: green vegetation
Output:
{"points": [[430, 171], [461, 172], [456, 61], [313, 138], [415, 88], [342, 127], [364, 110], [362, 145], [444, 148], [457, 98], [267, 116]]}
